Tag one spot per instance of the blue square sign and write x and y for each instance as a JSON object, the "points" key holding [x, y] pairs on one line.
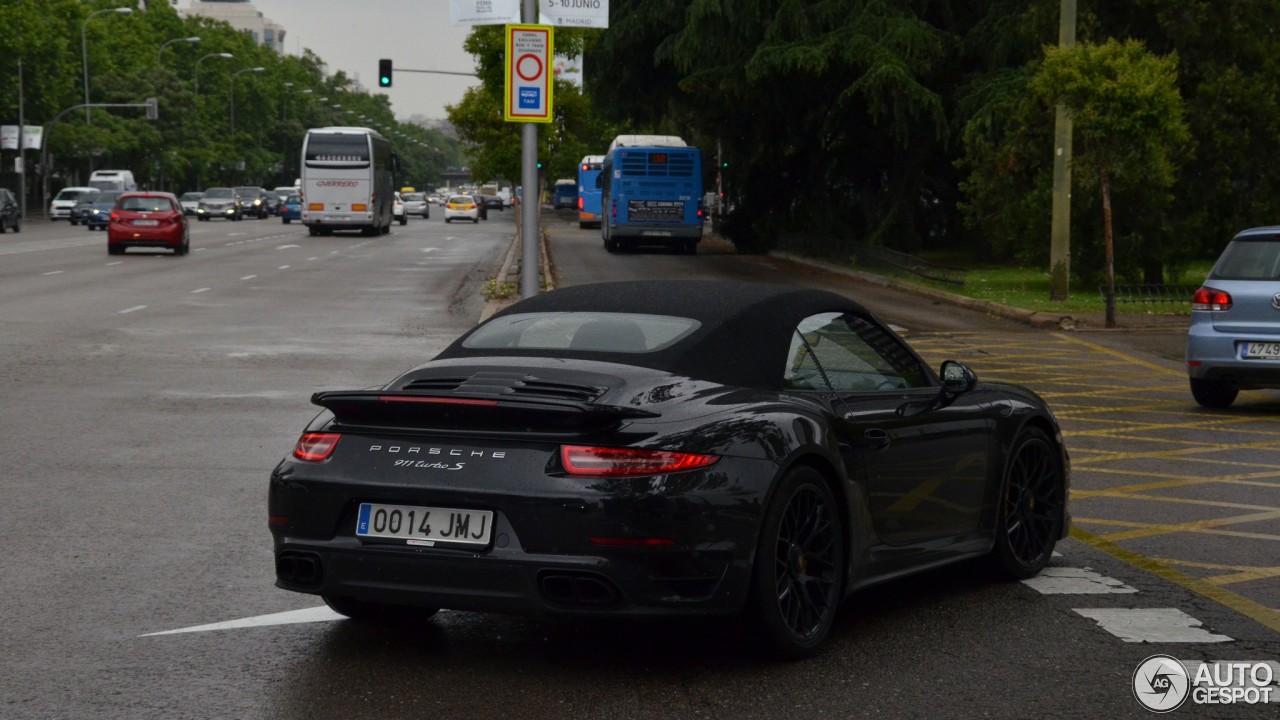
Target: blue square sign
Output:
{"points": [[530, 98]]}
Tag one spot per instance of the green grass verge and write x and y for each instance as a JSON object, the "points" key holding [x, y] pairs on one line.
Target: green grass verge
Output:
{"points": [[1029, 289]]}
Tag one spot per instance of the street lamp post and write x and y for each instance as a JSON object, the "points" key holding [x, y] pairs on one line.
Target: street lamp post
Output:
{"points": [[196, 74], [193, 39], [84, 52], [231, 92]]}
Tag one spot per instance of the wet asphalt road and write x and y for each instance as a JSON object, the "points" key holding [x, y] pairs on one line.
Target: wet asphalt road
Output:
{"points": [[147, 398]]}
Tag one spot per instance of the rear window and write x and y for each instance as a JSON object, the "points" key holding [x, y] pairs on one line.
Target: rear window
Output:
{"points": [[1249, 259], [584, 331], [146, 204], [462, 199], [412, 197]]}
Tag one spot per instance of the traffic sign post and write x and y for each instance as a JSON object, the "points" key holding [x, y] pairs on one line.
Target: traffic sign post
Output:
{"points": [[528, 86]]}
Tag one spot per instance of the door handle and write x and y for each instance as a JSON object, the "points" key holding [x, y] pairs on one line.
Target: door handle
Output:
{"points": [[876, 439]]}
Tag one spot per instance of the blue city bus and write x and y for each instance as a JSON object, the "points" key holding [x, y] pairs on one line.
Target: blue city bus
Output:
{"points": [[565, 194], [590, 185], [651, 194]]}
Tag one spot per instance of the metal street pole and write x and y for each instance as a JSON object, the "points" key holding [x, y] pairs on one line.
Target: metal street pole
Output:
{"points": [[231, 92], [530, 233], [84, 52], [196, 72], [1060, 233], [22, 146], [167, 43]]}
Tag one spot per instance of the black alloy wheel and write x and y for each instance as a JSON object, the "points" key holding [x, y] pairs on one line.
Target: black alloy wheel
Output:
{"points": [[1030, 506], [377, 612], [799, 567], [1217, 394]]}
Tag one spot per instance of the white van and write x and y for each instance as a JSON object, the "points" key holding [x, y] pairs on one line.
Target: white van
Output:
{"points": [[60, 206], [112, 180]]}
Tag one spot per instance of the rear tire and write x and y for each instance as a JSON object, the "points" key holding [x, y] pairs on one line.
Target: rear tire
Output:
{"points": [[1217, 394], [376, 612], [285, 220], [798, 575]]}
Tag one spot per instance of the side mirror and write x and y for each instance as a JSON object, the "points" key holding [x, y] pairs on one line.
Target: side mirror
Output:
{"points": [[957, 378]]}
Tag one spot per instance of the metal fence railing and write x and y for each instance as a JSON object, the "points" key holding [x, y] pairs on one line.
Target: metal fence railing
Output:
{"points": [[875, 257], [1172, 296]]}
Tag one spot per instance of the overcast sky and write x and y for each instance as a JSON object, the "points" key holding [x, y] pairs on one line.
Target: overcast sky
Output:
{"points": [[351, 35]]}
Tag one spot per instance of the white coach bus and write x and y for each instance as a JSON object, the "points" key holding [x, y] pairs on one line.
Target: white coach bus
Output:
{"points": [[348, 181]]}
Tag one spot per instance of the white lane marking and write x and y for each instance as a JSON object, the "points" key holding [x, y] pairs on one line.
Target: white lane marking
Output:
{"points": [[291, 617], [200, 249], [285, 247], [429, 249], [118, 262], [312, 258], [1075, 581], [236, 234], [135, 308], [197, 292], [283, 267], [1151, 625], [248, 277], [55, 272]]}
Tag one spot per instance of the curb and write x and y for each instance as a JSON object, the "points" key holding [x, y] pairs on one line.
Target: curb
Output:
{"points": [[1034, 318]]}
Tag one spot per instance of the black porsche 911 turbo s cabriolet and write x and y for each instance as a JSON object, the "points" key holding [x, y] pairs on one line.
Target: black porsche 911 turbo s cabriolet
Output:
{"points": [[665, 448]]}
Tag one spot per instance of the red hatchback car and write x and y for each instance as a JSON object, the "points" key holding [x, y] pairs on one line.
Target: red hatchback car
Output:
{"points": [[148, 219]]}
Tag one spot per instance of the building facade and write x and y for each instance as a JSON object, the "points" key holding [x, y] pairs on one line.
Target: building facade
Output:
{"points": [[243, 16]]}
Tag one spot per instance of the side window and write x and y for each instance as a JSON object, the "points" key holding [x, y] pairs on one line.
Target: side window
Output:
{"points": [[849, 354]]}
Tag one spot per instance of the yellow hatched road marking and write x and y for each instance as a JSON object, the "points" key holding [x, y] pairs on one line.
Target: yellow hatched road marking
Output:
{"points": [[1258, 612], [1239, 573]]}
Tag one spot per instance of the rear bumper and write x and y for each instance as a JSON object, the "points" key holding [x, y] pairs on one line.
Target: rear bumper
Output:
{"points": [[540, 561], [1218, 357], [127, 236]]}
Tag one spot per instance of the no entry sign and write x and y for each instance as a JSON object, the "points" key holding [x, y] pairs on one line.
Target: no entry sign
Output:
{"points": [[528, 91]]}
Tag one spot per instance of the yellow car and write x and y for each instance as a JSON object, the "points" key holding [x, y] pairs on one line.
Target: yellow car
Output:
{"points": [[461, 207]]}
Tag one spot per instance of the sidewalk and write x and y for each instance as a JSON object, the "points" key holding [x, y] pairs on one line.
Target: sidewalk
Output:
{"points": [[1125, 320]]}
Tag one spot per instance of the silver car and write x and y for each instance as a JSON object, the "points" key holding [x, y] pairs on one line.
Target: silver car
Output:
{"points": [[1234, 339], [415, 203]]}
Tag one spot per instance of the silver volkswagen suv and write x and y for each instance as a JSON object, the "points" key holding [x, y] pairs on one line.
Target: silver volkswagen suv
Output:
{"points": [[1234, 339]]}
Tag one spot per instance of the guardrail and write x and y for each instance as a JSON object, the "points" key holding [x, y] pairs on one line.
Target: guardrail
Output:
{"points": [[875, 257], [1166, 295]]}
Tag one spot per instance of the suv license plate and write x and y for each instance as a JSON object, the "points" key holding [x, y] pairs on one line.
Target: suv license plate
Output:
{"points": [[426, 525], [1262, 350]]}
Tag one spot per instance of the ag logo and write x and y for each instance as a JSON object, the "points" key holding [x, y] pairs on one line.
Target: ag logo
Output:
{"points": [[1161, 683]]}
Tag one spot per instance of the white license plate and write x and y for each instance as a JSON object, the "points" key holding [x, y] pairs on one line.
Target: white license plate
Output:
{"points": [[146, 223], [1262, 350], [424, 525], [657, 233]]}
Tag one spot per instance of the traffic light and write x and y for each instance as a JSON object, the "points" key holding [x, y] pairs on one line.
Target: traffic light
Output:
{"points": [[539, 164], [725, 165], [384, 73]]}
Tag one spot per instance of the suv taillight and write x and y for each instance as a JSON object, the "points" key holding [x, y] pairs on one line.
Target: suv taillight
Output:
{"points": [[1207, 298]]}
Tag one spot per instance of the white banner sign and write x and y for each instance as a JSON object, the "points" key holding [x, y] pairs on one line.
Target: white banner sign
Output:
{"points": [[32, 136], [483, 12], [568, 69], [574, 13], [9, 137]]}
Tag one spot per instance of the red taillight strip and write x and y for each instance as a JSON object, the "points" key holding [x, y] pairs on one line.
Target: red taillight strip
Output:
{"points": [[1207, 298], [438, 400], [316, 447], [614, 462]]}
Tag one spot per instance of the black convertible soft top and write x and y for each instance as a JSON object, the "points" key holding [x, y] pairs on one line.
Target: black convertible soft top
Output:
{"points": [[743, 339]]}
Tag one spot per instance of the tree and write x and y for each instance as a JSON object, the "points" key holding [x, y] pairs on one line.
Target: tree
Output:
{"points": [[1127, 116]]}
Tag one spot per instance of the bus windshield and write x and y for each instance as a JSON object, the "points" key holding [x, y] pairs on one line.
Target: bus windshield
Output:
{"points": [[337, 150]]}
